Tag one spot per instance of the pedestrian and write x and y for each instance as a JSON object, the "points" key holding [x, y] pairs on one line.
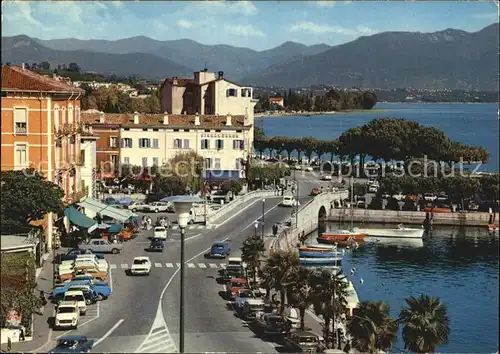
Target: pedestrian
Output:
{"points": [[21, 333], [275, 229]]}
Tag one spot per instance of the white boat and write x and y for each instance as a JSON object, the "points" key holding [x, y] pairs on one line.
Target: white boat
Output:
{"points": [[396, 241], [400, 231]]}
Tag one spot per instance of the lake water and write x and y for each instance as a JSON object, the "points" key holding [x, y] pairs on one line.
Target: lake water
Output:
{"points": [[460, 266], [472, 124]]}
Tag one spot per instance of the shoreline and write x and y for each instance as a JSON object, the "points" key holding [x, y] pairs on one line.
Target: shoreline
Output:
{"points": [[310, 114]]}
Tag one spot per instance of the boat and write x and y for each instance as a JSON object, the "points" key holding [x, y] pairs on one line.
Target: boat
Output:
{"points": [[403, 242], [493, 228], [400, 231], [350, 242], [318, 252], [321, 261]]}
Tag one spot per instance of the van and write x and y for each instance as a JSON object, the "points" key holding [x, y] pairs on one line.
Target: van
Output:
{"points": [[76, 295], [67, 315]]}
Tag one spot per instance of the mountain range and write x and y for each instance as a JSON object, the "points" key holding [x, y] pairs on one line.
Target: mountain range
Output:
{"points": [[452, 59]]}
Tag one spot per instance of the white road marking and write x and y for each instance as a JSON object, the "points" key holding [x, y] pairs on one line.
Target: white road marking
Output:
{"points": [[169, 265], [109, 332], [212, 265], [191, 265], [178, 265], [112, 266], [158, 265], [202, 265], [111, 279], [191, 237], [124, 266], [223, 265]]}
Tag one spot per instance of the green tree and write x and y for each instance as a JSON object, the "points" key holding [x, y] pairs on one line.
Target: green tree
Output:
{"points": [[299, 292], [372, 329], [425, 324], [252, 250], [27, 196]]}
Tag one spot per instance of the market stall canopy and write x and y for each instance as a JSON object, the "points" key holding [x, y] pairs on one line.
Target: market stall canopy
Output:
{"points": [[79, 219], [115, 228], [121, 215]]}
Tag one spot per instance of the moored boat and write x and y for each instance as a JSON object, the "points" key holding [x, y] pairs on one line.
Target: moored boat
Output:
{"points": [[318, 252], [493, 228], [344, 235], [400, 232], [321, 261], [350, 242]]}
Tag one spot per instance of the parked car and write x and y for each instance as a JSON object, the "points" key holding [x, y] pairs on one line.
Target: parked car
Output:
{"points": [[442, 196], [101, 246], [302, 342], [220, 249], [430, 197], [73, 344], [160, 232], [141, 266], [138, 206], [67, 315], [271, 324], [71, 255], [102, 290], [242, 295], [163, 207], [326, 177], [76, 295], [156, 245], [234, 285]]}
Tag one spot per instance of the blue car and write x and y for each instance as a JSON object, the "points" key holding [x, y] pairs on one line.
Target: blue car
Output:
{"points": [[73, 344], [101, 290], [220, 249]]}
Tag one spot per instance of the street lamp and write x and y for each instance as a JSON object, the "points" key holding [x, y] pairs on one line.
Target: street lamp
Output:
{"points": [[182, 205], [263, 214], [256, 227]]}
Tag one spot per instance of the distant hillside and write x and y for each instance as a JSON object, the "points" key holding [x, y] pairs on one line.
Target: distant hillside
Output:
{"points": [[19, 49], [447, 59], [234, 61]]}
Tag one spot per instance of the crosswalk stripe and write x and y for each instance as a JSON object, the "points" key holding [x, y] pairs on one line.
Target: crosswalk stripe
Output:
{"points": [[158, 265], [124, 266], [178, 265], [212, 265], [223, 265], [112, 266], [202, 265], [191, 265], [169, 265]]}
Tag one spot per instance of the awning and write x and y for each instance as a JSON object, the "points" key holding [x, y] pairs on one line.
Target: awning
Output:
{"points": [[115, 228], [80, 219], [121, 215], [222, 175]]}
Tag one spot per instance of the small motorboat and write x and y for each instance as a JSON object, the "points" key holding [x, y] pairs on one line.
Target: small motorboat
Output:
{"points": [[400, 232], [321, 261], [343, 235], [493, 228], [350, 242], [318, 252]]}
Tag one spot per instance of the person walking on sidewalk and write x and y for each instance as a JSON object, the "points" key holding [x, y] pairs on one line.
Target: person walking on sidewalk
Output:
{"points": [[275, 229], [43, 302]]}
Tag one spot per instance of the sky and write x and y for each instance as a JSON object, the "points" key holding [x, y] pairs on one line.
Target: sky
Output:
{"points": [[258, 25]]}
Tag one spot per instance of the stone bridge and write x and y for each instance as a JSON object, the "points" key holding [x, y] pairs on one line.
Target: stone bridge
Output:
{"points": [[311, 216]]}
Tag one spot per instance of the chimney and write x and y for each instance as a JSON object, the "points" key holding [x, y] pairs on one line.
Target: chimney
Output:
{"points": [[174, 80], [23, 66], [136, 117], [102, 117], [196, 119], [165, 118], [228, 119], [221, 75]]}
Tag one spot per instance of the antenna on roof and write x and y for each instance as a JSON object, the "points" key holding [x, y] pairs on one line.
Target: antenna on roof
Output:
{"points": [[205, 69]]}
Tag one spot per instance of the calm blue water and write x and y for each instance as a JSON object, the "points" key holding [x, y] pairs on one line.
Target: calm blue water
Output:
{"points": [[459, 266], [473, 124]]}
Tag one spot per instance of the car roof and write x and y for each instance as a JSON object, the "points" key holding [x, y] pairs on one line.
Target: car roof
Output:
{"points": [[234, 259], [305, 333], [141, 258], [73, 292], [68, 304], [71, 338], [220, 243], [239, 280]]}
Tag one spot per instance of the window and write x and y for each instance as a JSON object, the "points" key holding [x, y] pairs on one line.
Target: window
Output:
{"points": [[217, 164], [155, 161], [144, 162], [219, 144], [186, 144], [21, 155], [126, 142], [113, 141], [217, 130], [20, 121], [156, 144], [82, 157], [114, 160], [126, 160], [239, 163], [177, 143], [232, 92], [70, 114], [246, 92], [207, 130], [205, 144], [208, 163], [144, 143], [238, 144], [77, 114], [63, 116], [56, 117], [144, 129], [176, 130], [186, 130]]}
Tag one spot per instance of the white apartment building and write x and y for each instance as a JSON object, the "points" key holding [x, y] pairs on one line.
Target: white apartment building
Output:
{"points": [[153, 139], [88, 159]]}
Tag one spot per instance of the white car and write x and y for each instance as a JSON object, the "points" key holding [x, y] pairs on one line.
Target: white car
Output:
{"points": [[242, 296], [372, 189], [308, 169], [298, 167], [67, 315], [76, 295], [236, 261], [160, 232], [162, 207], [288, 201], [430, 197], [140, 265], [138, 206], [68, 266], [326, 177]]}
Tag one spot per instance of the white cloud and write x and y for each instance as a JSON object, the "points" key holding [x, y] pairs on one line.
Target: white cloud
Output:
{"points": [[243, 30], [184, 24], [325, 3], [229, 7], [316, 28]]}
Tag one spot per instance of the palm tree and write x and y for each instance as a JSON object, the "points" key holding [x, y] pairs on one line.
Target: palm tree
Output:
{"points": [[425, 324], [329, 294], [300, 293], [278, 271], [371, 328], [251, 251]]}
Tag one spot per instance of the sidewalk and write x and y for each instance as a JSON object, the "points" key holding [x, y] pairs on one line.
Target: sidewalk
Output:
{"points": [[41, 327]]}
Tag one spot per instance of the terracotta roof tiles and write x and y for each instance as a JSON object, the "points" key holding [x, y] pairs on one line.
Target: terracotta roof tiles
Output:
{"points": [[17, 78]]}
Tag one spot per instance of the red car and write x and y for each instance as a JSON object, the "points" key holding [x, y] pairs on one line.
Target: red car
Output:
{"points": [[234, 285]]}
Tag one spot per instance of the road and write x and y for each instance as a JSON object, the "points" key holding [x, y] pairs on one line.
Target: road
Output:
{"points": [[142, 314]]}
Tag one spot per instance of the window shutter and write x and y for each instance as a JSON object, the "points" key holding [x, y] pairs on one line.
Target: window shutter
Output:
{"points": [[20, 115]]}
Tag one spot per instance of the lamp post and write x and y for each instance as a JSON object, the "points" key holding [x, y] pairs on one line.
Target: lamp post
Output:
{"points": [[182, 205], [263, 214], [256, 225]]}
